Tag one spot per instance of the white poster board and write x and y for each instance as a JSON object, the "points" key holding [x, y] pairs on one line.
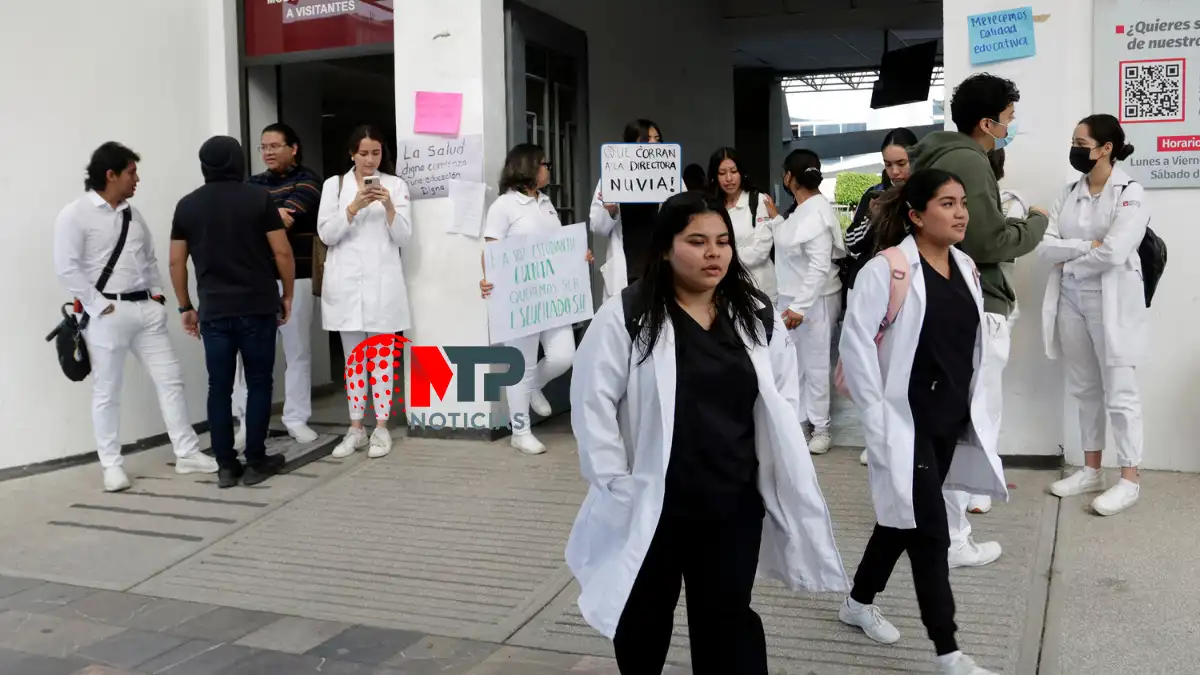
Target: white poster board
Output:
{"points": [[429, 163], [1147, 74], [640, 173], [541, 282]]}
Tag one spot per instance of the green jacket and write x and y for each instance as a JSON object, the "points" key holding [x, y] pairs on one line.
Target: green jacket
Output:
{"points": [[991, 238]]}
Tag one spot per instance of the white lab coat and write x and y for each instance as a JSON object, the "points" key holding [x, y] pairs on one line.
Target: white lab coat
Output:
{"points": [[806, 244], [364, 288], [1116, 262], [755, 239], [613, 271], [623, 416], [877, 378]]}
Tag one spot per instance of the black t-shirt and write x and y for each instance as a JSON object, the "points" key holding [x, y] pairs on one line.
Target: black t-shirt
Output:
{"points": [[939, 389], [225, 224], [713, 468], [637, 231]]}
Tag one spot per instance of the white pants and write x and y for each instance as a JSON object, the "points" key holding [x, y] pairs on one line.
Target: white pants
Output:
{"points": [[378, 385], [140, 327], [814, 340], [297, 353], [996, 346], [559, 347], [1094, 385]]}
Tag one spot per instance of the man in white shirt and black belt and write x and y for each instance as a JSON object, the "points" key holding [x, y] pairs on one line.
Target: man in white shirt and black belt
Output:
{"points": [[127, 315]]}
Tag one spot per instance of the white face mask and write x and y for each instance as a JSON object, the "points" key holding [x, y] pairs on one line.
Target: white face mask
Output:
{"points": [[1008, 138]]}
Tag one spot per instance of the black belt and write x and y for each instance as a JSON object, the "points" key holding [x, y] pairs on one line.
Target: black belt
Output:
{"points": [[135, 296]]}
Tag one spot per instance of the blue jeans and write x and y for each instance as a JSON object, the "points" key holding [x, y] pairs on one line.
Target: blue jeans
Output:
{"points": [[254, 338]]}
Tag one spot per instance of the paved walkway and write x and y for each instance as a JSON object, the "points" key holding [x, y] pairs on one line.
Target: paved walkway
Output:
{"points": [[446, 557]]}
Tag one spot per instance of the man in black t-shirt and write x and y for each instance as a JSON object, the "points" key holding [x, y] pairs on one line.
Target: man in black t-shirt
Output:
{"points": [[234, 234]]}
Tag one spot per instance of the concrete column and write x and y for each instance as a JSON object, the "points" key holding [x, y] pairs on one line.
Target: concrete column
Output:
{"points": [[451, 46]]}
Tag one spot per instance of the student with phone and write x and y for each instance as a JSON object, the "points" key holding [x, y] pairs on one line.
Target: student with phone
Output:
{"points": [[364, 220]]}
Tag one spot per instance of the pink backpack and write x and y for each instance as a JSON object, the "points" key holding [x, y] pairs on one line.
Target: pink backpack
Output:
{"points": [[899, 289]]}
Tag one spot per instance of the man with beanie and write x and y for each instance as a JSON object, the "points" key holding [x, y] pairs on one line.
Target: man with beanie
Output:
{"points": [[983, 108], [237, 241]]}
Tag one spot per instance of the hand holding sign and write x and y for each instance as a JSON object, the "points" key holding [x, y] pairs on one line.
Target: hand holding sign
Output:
{"points": [[639, 173]]}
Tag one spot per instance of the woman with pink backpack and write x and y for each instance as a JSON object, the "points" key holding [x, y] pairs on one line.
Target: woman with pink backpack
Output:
{"points": [[911, 345]]}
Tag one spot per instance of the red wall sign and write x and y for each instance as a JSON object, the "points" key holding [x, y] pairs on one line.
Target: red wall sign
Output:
{"points": [[286, 26]]}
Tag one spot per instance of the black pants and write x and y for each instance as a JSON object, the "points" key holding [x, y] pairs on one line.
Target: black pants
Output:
{"points": [[928, 545], [254, 338], [718, 560]]}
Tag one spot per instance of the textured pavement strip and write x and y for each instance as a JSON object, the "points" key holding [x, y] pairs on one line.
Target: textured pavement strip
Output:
{"points": [[803, 633], [449, 538]]}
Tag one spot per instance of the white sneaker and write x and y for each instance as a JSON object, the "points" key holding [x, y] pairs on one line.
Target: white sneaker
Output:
{"points": [[870, 620], [355, 439], [539, 404], [381, 443], [527, 444], [1117, 498], [301, 433], [971, 554], [115, 479], [1081, 482], [197, 462], [862, 459], [962, 665], [979, 504], [239, 436], [820, 443]]}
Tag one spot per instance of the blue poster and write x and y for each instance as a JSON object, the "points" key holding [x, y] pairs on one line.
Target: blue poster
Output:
{"points": [[1001, 36]]}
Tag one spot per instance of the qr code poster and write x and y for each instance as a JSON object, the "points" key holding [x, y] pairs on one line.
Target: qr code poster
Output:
{"points": [[1153, 91], [1146, 73]]}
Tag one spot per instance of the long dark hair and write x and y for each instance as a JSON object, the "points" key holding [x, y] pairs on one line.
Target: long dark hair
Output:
{"points": [[805, 167], [362, 133], [736, 294], [638, 131], [1106, 129], [714, 168], [901, 136], [889, 213], [521, 168]]}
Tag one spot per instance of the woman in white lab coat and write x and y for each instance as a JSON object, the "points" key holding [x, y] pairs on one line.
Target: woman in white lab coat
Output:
{"points": [[810, 289], [1094, 313], [686, 417], [753, 214], [364, 220], [628, 227], [923, 414], [522, 209]]}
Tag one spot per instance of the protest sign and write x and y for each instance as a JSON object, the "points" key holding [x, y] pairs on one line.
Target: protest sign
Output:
{"points": [[640, 173], [429, 164], [540, 282]]}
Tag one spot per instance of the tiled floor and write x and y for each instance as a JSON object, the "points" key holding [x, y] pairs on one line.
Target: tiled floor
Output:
{"points": [[52, 629]]}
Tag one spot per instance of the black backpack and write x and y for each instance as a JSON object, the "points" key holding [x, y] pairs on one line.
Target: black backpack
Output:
{"points": [[766, 313], [1153, 254]]}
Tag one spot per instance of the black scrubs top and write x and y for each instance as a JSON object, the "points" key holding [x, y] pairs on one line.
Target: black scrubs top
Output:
{"points": [[713, 468], [939, 389]]}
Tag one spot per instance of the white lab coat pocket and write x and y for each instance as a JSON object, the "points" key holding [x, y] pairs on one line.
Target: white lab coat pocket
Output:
{"points": [[335, 297]]}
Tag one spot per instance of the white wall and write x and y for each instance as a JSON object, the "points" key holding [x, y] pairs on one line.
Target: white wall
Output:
{"points": [[162, 90], [1056, 92], [667, 60]]}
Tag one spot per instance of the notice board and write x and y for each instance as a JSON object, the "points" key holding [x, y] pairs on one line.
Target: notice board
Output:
{"points": [[1147, 74]]}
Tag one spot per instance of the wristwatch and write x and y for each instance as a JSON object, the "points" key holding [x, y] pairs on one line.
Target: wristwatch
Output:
{"points": [[186, 308]]}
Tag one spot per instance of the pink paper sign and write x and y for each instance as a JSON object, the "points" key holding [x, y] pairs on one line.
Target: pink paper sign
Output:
{"points": [[438, 113]]}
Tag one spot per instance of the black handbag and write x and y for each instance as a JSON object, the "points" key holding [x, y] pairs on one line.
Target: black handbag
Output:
{"points": [[68, 334]]}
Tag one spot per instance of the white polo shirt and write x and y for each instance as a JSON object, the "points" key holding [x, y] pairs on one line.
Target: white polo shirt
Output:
{"points": [[516, 214]]}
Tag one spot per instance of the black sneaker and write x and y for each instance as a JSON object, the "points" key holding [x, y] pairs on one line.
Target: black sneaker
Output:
{"points": [[227, 478], [257, 473]]}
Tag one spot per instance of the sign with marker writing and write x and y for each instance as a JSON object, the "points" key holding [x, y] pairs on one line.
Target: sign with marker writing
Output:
{"points": [[1001, 36], [429, 164], [640, 173], [540, 282]]}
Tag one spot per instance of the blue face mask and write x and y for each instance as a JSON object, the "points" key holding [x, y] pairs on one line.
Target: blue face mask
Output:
{"points": [[1008, 137]]}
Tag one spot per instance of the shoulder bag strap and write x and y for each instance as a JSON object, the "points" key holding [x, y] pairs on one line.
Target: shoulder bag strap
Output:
{"points": [[126, 216]]}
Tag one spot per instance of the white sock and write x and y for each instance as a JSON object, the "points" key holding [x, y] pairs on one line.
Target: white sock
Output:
{"points": [[854, 605], [1092, 473], [948, 659], [1135, 486]]}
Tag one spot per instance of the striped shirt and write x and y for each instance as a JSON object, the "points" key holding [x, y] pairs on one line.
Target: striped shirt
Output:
{"points": [[298, 189]]}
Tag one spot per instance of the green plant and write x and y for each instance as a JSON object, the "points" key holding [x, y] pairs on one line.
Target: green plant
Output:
{"points": [[852, 186], [844, 220]]}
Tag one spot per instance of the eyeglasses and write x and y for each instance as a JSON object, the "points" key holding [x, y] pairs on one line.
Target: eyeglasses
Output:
{"points": [[548, 165], [274, 147]]}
